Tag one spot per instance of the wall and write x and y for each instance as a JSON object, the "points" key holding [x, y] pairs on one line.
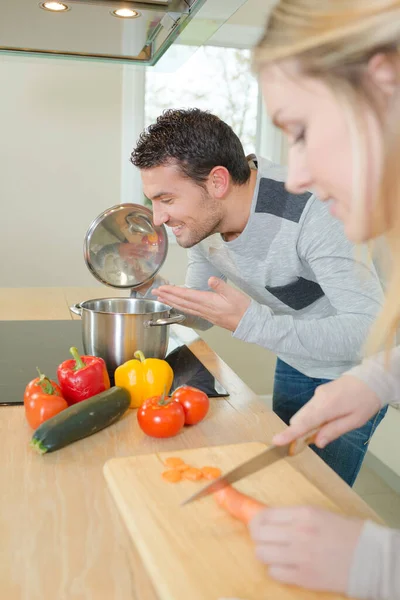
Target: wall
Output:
{"points": [[60, 164], [383, 451]]}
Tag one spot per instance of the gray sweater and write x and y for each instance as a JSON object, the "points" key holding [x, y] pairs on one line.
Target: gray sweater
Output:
{"points": [[375, 572], [312, 302]]}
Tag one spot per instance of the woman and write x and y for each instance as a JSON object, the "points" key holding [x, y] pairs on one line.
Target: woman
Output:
{"points": [[330, 74]]}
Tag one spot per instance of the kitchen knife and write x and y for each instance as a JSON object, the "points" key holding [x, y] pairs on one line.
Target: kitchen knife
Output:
{"points": [[256, 463]]}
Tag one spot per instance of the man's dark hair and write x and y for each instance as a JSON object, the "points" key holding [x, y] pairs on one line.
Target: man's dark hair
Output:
{"points": [[196, 141]]}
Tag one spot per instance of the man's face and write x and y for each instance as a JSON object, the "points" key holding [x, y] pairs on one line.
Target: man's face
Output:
{"points": [[180, 203]]}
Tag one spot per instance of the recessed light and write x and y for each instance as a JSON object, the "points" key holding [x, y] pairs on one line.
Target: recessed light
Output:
{"points": [[125, 13], [54, 6]]}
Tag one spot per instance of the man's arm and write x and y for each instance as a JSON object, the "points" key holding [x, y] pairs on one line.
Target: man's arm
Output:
{"points": [[352, 288]]}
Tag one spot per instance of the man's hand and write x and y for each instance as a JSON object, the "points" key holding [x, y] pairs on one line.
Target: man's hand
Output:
{"points": [[225, 306], [142, 289], [336, 407]]}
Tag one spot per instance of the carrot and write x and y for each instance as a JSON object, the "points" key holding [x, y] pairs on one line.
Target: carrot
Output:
{"points": [[172, 475], [193, 474], [239, 505], [211, 472], [173, 461], [182, 468]]}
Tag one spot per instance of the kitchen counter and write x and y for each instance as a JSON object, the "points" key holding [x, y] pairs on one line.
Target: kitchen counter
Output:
{"points": [[61, 535]]}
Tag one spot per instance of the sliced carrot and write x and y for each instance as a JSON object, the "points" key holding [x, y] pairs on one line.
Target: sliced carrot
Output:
{"points": [[172, 475], [173, 461], [211, 472], [182, 468], [239, 505], [193, 474]]}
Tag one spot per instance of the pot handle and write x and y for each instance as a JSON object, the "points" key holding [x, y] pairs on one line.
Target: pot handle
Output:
{"points": [[169, 321], [76, 309]]}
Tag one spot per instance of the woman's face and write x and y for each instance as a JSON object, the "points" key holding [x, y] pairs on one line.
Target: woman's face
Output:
{"points": [[321, 145]]}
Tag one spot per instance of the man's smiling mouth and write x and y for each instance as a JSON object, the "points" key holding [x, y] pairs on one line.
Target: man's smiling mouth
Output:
{"points": [[177, 229]]}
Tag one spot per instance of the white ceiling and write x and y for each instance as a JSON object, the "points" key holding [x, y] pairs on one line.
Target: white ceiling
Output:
{"points": [[245, 27], [253, 13]]}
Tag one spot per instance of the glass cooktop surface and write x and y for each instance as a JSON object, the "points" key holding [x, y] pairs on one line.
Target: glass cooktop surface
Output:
{"points": [[26, 345]]}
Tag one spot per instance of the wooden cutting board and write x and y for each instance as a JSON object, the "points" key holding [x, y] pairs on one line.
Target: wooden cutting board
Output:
{"points": [[198, 551]]}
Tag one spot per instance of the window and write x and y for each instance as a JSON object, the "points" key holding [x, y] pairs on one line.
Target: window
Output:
{"points": [[215, 79]]}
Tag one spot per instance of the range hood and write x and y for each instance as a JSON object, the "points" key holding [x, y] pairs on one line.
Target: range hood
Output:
{"points": [[92, 29]]}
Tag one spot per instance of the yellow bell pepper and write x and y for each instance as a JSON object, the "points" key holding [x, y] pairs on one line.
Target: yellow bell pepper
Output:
{"points": [[144, 378]]}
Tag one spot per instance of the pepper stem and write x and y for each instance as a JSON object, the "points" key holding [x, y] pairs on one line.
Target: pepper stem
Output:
{"points": [[45, 383], [79, 364], [139, 355]]}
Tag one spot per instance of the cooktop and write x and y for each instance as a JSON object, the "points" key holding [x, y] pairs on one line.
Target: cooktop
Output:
{"points": [[26, 345]]}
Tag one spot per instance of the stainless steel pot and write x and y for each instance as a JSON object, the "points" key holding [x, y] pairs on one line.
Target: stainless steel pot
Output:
{"points": [[114, 328]]}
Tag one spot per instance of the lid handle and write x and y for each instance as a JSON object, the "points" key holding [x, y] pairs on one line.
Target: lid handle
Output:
{"points": [[139, 223]]}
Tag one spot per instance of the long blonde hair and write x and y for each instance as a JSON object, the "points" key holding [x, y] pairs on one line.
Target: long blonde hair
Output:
{"points": [[334, 40]]}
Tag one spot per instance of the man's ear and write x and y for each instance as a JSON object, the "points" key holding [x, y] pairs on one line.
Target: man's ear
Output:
{"points": [[384, 70], [219, 181]]}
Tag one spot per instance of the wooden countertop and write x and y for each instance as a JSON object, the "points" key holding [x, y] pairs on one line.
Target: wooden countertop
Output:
{"points": [[61, 535]]}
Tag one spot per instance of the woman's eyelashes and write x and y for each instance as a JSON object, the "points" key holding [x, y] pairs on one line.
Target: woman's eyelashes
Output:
{"points": [[299, 137], [296, 135]]}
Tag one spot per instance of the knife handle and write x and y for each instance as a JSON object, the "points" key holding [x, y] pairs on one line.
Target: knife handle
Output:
{"points": [[298, 445]]}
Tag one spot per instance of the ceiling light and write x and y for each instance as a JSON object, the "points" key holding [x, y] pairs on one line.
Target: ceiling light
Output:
{"points": [[54, 6], [125, 13]]}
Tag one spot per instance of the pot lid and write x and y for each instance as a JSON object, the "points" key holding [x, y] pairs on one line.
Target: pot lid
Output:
{"points": [[123, 248]]}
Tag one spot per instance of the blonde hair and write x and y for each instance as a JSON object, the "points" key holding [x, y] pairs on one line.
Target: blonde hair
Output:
{"points": [[334, 40]]}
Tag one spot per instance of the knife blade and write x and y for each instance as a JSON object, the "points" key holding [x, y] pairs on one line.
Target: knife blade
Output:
{"points": [[256, 463]]}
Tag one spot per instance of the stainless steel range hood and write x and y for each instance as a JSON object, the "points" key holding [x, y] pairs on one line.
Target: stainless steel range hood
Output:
{"points": [[90, 29]]}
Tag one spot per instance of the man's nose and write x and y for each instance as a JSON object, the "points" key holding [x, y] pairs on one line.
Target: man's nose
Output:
{"points": [[159, 216], [299, 179]]}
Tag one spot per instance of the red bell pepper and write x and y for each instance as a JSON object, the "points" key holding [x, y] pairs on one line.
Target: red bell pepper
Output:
{"points": [[82, 377], [42, 399]]}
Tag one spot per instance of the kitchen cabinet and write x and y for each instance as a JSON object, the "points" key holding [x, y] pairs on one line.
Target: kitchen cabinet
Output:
{"points": [[61, 534]]}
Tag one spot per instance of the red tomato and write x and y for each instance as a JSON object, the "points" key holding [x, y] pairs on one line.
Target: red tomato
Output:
{"points": [[160, 417], [42, 400], [195, 403], [150, 239]]}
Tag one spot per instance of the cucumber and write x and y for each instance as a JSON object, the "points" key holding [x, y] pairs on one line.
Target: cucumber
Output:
{"points": [[81, 420]]}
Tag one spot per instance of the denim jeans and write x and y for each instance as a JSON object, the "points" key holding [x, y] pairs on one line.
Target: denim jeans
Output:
{"points": [[345, 455]]}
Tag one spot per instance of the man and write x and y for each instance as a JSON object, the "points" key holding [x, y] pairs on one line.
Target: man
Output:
{"points": [[301, 293]]}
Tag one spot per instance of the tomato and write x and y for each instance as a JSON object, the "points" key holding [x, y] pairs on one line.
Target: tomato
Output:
{"points": [[42, 400], [195, 403], [150, 239], [161, 417]]}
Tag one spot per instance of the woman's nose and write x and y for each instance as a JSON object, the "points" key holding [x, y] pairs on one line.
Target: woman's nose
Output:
{"points": [[299, 179]]}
